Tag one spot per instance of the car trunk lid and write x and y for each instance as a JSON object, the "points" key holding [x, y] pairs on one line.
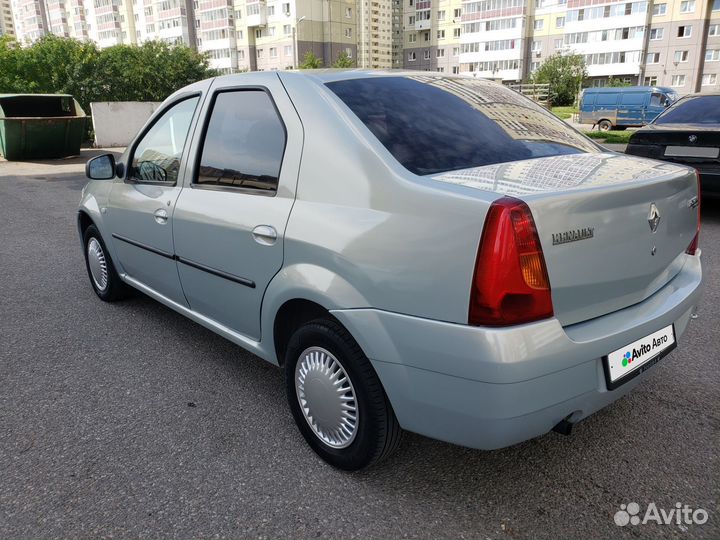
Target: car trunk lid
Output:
{"points": [[595, 214], [692, 135]]}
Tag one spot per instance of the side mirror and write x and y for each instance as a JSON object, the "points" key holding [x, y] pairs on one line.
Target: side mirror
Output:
{"points": [[101, 167]]}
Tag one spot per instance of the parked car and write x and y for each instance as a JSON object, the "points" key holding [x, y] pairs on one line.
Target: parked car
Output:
{"points": [[687, 133], [622, 107], [417, 252]]}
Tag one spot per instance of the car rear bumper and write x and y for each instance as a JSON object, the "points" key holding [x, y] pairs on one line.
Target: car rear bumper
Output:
{"points": [[490, 388]]}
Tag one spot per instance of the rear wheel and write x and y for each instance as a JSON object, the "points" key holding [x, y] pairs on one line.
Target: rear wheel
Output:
{"points": [[605, 125], [336, 398], [104, 279]]}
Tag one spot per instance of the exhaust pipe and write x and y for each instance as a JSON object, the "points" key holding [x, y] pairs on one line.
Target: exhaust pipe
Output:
{"points": [[564, 426]]}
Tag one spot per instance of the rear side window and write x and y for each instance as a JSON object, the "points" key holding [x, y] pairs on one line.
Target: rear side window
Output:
{"points": [[633, 98], [692, 110], [606, 99], [244, 142], [434, 124]]}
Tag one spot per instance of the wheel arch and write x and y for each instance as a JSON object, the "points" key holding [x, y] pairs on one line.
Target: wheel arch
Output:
{"points": [[298, 294], [83, 222], [291, 316]]}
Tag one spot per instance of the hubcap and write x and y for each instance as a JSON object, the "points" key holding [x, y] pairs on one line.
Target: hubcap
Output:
{"points": [[327, 397], [97, 264]]}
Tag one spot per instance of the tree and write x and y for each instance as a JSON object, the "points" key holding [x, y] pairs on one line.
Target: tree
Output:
{"points": [[564, 74], [310, 61], [614, 82], [344, 61], [149, 72]]}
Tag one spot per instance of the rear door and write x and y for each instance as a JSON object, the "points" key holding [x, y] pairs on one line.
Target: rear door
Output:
{"points": [[230, 220], [586, 107]]}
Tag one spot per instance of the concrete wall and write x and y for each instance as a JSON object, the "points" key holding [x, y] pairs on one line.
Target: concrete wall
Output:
{"points": [[117, 122]]}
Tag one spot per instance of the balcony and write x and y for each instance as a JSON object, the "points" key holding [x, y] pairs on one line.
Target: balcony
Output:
{"points": [[213, 4], [256, 14]]}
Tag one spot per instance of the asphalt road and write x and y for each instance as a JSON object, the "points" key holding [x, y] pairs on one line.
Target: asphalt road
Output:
{"points": [[128, 420]]}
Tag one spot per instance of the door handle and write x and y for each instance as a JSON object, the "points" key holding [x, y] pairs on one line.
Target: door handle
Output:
{"points": [[265, 235], [161, 216]]}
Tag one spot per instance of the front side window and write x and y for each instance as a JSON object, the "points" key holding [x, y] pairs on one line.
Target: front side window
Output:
{"points": [[244, 142], [657, 99], [157, 156], [465, 122]]}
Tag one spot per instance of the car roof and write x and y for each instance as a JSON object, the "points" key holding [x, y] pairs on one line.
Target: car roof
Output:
{"points": [[331, 75], [701, 94], [612, 89]]}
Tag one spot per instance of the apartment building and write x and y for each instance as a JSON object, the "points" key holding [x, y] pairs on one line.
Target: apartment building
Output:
{"points": [[29, 19], [375, 33], [258, 35], [493, 38], [660, 42], [431, 35], [67, 18], [683, 48], [7, 25], [397, 34]]}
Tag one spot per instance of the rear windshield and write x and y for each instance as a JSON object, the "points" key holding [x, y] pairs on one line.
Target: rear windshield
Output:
{"points": [[692, 110], [434, 124]]}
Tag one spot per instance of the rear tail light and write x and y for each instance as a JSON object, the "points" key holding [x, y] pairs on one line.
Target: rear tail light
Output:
{"points": [[510, 284], [692, 248]]}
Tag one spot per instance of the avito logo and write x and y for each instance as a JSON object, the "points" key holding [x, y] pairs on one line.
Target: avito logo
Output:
{"points": [[645, 348]]}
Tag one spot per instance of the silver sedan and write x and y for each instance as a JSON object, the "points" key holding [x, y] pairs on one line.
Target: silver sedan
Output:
{"points": [[417, 252]]}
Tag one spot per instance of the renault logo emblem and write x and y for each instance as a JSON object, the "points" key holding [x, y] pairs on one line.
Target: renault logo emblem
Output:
{"points": [[654, 217], [692, 138]]}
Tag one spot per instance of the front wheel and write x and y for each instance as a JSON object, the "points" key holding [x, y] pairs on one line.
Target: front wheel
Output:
{"points": [[100, 268], [336, 398]]}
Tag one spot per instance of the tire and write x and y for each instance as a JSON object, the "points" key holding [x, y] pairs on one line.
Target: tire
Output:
{"points": [[605, 125], [105, 282], [329, 349]]}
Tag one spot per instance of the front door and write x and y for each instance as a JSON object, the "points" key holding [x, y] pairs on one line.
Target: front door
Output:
{"points": [[658, 103], [230, 220], [141, 206]]}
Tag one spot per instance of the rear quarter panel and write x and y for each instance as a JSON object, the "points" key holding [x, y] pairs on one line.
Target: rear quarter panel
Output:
{"points": [[399, 242]]}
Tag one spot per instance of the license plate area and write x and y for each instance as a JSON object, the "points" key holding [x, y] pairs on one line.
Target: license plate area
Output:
{"points": [[630, 361], [692, 151]]}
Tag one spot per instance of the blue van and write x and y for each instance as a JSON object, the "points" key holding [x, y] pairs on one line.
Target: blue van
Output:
{"points": [[621, 107]]}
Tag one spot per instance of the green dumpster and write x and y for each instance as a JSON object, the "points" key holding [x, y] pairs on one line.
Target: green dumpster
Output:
{"points": [[40, 126]]}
